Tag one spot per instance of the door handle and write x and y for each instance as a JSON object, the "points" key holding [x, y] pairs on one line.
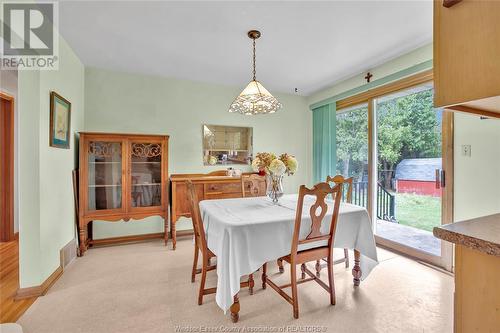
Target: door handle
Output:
{"points": [[440, 179]]}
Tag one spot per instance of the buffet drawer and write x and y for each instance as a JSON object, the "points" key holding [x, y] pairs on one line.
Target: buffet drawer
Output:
{"points": [[212, 189]]}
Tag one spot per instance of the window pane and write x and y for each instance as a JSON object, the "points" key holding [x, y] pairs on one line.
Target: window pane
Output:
{"points": [[104, 175], [352, 149]]}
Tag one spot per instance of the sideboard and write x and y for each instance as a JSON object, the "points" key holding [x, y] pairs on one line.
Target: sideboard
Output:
{"points": [[122, 177], [214, 185]]}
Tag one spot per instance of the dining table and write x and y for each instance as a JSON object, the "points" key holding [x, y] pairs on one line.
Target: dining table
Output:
{"points": [[245, 233]]}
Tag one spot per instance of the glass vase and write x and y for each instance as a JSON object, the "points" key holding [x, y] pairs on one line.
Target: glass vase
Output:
{"points": [[274, 187]]}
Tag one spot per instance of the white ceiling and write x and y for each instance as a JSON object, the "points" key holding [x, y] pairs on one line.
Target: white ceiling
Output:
{"points": [[305, 44]]}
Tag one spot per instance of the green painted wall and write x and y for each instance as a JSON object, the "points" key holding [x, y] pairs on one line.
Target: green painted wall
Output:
{"points": [[400, 63], [46, 209], [130, 103]]}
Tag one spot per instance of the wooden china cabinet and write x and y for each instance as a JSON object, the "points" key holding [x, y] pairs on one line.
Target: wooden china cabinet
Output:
{"points": [[122, 177]]}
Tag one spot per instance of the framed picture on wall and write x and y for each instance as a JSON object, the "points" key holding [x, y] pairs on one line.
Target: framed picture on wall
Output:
{"points": [[60, 121]]}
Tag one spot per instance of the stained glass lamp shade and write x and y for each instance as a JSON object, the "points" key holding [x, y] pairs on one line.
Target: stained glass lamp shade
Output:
{"points": [[255, 99]]}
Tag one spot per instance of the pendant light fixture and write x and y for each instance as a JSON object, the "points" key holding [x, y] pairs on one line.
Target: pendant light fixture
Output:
{"points": [[255, 99]]}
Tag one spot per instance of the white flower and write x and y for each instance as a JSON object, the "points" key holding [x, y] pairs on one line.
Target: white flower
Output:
{"points": [[256, 164], [292, 165], [277, 167]]}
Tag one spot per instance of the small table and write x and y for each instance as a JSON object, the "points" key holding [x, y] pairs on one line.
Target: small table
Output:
{"points": [[245, 233]]}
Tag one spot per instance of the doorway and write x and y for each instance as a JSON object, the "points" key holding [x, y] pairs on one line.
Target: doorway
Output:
{"points": [[6, 167]]}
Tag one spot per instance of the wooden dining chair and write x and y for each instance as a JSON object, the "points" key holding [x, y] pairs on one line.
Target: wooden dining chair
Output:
{"points": [[200, 245], [252, 184], [322, 244], [339, 179]]}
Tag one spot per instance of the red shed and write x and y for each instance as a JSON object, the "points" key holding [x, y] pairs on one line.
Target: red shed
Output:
{"points": [[418, 176]]}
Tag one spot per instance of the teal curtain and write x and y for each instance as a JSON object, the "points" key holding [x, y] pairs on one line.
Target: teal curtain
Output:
{"points": [[324, 142]]}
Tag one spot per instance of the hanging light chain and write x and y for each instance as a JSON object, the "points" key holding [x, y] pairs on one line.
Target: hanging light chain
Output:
{"points": [[254, 60]]}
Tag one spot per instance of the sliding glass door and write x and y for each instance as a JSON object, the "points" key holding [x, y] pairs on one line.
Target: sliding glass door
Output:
{"points": [[409, 164], [396, 146]]}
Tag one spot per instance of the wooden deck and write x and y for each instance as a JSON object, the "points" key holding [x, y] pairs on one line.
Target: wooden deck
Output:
{"points": [[10, 310]]}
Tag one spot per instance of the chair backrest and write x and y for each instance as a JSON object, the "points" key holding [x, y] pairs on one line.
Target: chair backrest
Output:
{"points": [[339, 179], [251, 182], [194, 205], [317, 214]]}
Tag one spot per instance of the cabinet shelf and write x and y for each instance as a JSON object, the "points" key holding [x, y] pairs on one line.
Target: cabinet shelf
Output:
{"points": [[147, 184]]}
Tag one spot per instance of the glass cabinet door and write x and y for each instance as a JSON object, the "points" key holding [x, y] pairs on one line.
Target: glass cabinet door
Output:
{"points": [[104, 175], [145, 173]]}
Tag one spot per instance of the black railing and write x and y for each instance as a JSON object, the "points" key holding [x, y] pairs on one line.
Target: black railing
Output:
{"points": [[386, 203]]}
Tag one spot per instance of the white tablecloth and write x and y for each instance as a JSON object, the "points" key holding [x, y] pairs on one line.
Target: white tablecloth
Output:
{"points": [[245, 233]]}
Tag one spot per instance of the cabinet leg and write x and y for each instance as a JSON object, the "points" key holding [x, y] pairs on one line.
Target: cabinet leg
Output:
{"points": [[83, 240], [174, 236]]}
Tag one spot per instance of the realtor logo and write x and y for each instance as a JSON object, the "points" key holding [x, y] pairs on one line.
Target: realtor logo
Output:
{"points": [[29, 35]]}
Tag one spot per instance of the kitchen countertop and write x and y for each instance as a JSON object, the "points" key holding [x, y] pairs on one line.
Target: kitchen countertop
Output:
{"points": [[481, 234]]}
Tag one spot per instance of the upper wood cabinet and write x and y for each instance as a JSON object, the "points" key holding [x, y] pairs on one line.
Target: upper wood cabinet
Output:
{"points": [[122, 177], [467, 54]]}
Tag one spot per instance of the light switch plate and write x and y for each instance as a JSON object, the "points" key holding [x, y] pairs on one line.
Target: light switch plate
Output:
{"points": [[466, 150]]}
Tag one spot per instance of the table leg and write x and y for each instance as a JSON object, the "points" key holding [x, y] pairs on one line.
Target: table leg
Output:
{"points": [[356, 270], [235, 309]]}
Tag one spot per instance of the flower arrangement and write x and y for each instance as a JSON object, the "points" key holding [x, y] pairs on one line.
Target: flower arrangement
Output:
{"points": [[275, 168], [270, 164]]}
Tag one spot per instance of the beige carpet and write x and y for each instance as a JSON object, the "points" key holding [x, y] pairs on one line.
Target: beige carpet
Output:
{"points": [[146, 287]]}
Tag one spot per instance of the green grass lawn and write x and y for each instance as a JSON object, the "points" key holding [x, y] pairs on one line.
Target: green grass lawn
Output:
{"points": [[418, 211]]}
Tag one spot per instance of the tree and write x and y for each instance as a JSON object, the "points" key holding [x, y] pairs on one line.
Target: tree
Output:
{"points": [[352, 142], [408, 127]]}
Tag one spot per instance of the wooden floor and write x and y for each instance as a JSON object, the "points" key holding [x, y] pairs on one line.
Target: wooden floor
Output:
{"points": [[10, 310]]}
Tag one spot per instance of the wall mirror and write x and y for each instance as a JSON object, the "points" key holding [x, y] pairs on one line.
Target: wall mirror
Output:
{"points": [[224, 145]]}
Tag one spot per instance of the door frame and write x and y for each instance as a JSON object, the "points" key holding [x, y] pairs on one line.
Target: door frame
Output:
{"points": [[446, 259], [7, 170]]}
